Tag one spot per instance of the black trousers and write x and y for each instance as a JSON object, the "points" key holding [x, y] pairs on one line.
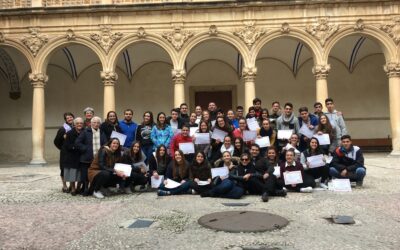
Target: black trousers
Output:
{"points": [[138, 179], [259, 186], [308, 181], [200, 189], [105, 179], [321, 172]]}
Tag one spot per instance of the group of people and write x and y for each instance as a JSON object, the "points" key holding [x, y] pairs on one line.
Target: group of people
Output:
{"points": [[212, 152]]}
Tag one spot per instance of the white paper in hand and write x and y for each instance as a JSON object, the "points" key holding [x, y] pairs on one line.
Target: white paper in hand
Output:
{"points": [[252, 124], [155, 183], [316, 161], [119, 136], [323, 139], [202, 138], [304, 130], [125, 168], [187, 147], [222, 172], [193, 130], [292, 177], [172, 184], [249, 135], [277, 171], [202, 183], [285, 134], [218, 134], [263, 142]]}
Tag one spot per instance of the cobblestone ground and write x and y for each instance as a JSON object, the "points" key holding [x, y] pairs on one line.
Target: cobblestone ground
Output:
{"points": [[35, 214]]}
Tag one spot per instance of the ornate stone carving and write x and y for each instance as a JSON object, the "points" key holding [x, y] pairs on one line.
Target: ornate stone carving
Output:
{"points": [[2, 37], [141, 33], [249, 34], [393, 30], [70, 35], [322, 31], [285, 29], [178, 75], [106, 39], [359, 26], [38, 80], [177, 37], [108, 77], [213, 31], [34, 42], [392, 69], [321, 71], [249, 73]]}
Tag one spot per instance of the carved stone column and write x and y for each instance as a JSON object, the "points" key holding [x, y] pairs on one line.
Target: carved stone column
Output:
{"points": [[38, 82], [178, 78], [321, 74], [109, 79], [249, 77], [393, 72]]}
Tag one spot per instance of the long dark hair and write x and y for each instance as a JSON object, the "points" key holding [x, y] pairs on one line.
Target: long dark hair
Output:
{"points": [[161, 159], [227, 128], [151, 121], [317, 151], [112, 157], [242, 148], [208, 128], [327, 128], [201, 165], [108, 115], [138, 156], [276, 154], [179, 170], [158, 124]]}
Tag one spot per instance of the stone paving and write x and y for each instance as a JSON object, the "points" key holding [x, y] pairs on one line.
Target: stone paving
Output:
{"points": [[35, 214]]}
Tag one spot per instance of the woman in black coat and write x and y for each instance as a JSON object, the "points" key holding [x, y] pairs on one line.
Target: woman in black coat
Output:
{"points": [[110, 124]]}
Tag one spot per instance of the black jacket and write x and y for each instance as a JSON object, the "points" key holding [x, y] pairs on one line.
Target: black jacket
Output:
{"points": [[154, 166], [84, 143], [70, 154], [108, 128]]}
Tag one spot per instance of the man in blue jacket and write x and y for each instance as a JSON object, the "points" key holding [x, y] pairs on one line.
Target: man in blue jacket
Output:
{"points": [[309, 122], [128, 128]]}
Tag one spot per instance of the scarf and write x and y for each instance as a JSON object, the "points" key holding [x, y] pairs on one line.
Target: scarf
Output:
{"points": [[230, 149], [287, 120], [96, 141]]}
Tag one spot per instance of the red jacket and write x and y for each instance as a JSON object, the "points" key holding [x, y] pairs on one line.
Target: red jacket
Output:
{"points": [[178, 138]]}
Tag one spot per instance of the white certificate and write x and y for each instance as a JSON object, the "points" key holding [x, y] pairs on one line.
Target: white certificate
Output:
{"points": [[328, 159], [119, 136], [172, 184], [277, 171], [341, 185], [222, 172], [155, 183], [263, 142], [285, 134], [252, 124], [202, 138], [218, 134], [323, 139], [213, 123], [187, 147], [193, 130], [202, 183], [249, 135], [125, 168], [316, 161], [304, 130], [292, 177]]}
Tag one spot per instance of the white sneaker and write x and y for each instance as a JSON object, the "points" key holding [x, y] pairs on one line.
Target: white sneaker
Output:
{"points": [[306, 190], [323, 185], [98, 195]]}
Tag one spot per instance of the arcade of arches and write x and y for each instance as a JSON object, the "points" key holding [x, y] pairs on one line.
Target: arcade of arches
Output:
{"points": [[155, 58]]}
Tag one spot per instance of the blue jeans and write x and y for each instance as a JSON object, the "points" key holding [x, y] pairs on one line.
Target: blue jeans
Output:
{"points": [[182, 189], [359, 173], [147, 151], [227, 189]]}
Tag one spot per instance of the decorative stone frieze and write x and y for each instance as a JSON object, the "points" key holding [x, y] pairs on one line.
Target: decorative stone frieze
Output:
{"points": [[106, 39], [34, 42], [285, 29], [178, 75], [213, 31], [393, 30], [321, 71], [322, 31], [70, 35], [2, 37], [109, 78], [249, 34], [38, 80], [392, 69], [359, 25], [177, 37], [249, 73], [141, 33]]}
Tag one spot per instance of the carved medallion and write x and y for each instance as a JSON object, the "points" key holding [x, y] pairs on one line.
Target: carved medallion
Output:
{"points": [[178, 75], [141, 33], [249, 34], [38, 79], [70, 35], [106, 39], [109, 77], [359, 26], [321, 71], [249, 73], [2, 37], [322, 31], [285, 29], [34, 42], [177, 37], [393, 30], [213, 31]]}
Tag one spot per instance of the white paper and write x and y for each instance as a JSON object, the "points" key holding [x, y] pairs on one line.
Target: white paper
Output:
{"points": [[285, 134], [249, 135], [304, 130], [263, 142], [193, 130], [172, 184], [202, 183], [202, 138], [252, 124], [155, 183], [341, 185], [328, 159], [316, 161], [222, 172], [218, 134], [213, 123], [119, 136], [277, 171], [187, 147], [125, 168], [292, 177], [176, 131], [323, 139]]}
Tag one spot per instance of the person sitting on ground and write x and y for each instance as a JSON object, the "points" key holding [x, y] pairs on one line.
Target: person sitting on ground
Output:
{"points": [[348, 162], [159, 162], [178, 171], [200, 173], [136, 158]]}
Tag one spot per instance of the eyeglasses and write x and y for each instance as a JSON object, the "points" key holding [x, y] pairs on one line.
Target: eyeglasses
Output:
{"points": [[244, 159]]}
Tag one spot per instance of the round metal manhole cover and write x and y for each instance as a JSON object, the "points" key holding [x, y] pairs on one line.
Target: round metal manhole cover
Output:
{"points": [[242, 221]]}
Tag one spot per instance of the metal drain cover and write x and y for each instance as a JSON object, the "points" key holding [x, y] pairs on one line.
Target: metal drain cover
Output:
{"points": [[242, 221]]}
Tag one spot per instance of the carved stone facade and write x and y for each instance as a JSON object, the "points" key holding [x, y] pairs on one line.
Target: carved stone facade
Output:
{"points": [[322, 31], [393, 30], [38, 80], [249, 34], [321, 71], [106, 39], [34, 42], [178, 75], [109, 78], [177, 37], [392, 69], [249, 73]]}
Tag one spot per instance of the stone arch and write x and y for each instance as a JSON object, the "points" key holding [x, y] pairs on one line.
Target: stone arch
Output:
{"points": [[133, 39], [20, 48], [222, 36], [294, 33], [45, 54], [387, 45]]}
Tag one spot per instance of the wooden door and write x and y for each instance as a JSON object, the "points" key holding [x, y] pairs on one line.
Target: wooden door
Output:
{"points": [[223, 99]]}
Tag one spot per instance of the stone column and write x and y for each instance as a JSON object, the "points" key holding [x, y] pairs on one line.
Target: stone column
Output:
{"points": [[321, 74], [249, 77], [38, 82], [393, 72], [109, 79], [178, 78]]}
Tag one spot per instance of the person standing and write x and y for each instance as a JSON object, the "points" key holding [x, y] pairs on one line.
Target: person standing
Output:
{"points": [[275, 113], [161, 133], [336, 118], [143, 134], [184, 113], [198, 110], [128, 127], [308, 122], [88, 113], [110, 124]]}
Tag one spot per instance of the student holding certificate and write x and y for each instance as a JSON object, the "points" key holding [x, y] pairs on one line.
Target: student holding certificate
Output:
{"points": [[216, 144], [182, 137], [203, 129], [325, 127], [292, 175], [136, 158], [293, 144], [200, 173], [266, 130], [314, 169], [159, 162], [178, 172], [110, 124]]}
